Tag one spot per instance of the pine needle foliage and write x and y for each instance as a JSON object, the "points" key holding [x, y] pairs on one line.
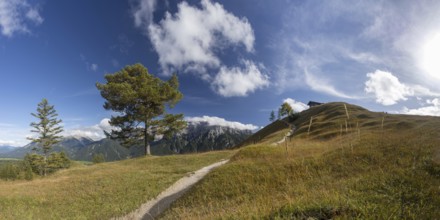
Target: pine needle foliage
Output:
{"points": [[48, 128], [284, 110], [141, 99]]}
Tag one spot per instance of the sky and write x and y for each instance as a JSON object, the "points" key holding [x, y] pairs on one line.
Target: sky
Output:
{"points": [[236, 60]]}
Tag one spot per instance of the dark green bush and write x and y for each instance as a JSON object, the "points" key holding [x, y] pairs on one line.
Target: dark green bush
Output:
{"points": [[98, 158], [54, 162], [10, 172]]}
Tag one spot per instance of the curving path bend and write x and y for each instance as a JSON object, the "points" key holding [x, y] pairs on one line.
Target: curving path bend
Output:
{"points": [[153, 208]]}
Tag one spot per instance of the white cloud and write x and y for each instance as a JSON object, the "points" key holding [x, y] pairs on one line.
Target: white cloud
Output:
{"points": [[317, 64], [321, 84], [188, 39], [433, 109], [422, 91], [387, 88], [362, 57], [9, 143], [13, 135], [143, 13], [94, 67], [15, 16], [216, 121], [104, 124], [297, 106], [94, 132], [34, 16], [389, 35], [237, 81]]}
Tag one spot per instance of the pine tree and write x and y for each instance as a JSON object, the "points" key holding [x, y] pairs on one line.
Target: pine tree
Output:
{"points": [[141, 100], [285, 110], [272, 116], [48, 128]]}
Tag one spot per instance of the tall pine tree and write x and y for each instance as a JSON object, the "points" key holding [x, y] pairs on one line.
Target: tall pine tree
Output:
{"points": [[48, 128], [141, 100]]}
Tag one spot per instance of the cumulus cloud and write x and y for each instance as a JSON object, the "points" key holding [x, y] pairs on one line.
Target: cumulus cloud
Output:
{"points": [[15, 16], [237, 81], [433, 109], [297, 106], [94, 132], [387, 88], [216, 121], [143, 13], [188, 39]]}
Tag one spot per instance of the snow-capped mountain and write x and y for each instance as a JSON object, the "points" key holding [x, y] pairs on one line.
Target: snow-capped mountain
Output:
{"points": [[200, 137], [70, 145], [197, 137]]}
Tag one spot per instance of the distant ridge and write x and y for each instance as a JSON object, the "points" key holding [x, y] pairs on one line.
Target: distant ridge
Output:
{"points": [[197, 137], [5, 149]]}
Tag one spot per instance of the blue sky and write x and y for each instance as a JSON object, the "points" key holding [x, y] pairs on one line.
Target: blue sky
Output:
{"points": [[236, 60]]}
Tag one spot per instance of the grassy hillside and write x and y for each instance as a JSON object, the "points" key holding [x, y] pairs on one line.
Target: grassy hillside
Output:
{"points": [[100, 191], [265, 134], [365, 171]]}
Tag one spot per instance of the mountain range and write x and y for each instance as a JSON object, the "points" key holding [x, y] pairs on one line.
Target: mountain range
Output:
{"points": [[197, 137], [5, 149]]}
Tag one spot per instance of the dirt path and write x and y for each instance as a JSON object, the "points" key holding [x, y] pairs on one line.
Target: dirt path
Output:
{"points": [[154, 207], [288, 134]]}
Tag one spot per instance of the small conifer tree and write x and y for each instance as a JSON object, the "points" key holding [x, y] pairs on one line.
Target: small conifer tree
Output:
{"points": [[48, 128], [272, 116]]}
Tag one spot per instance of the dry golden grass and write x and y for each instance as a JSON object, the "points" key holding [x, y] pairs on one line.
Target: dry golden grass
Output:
{"points": [[100, 191], [370, 173], [377, 179]]}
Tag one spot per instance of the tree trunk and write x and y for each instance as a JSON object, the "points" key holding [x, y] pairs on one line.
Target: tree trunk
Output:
{"points": [[146, 143], [148, 149], [45, 164]]}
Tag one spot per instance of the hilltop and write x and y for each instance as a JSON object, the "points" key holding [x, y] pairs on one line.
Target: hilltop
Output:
{"points": [[329, 121], [347, 162]]}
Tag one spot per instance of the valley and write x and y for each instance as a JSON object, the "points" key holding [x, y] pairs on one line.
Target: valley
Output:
{"points": [[195, 138]]}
